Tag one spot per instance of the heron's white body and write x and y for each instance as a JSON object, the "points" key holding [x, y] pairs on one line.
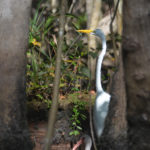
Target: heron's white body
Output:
{"points": [[88, 142], [102, 99], [100, 112]]}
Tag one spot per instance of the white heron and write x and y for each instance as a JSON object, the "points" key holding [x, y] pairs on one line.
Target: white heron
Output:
{"points": [[102, 101]]}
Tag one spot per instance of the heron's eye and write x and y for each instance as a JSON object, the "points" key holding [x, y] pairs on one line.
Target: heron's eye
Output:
{"points": [[95, 32]]}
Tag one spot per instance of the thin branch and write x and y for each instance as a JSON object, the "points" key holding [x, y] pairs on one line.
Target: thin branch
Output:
{"points": [[72, 44], [70, 11], [91, 124], [115, 12], [91, 116], [53, 110], [71, 7], [112, 33]]}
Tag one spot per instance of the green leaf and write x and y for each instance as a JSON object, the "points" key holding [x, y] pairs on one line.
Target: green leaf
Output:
{"points": [[83, 117], [71, 133], [75, 89], [71, 15], [48, 22], [39, 96], [74, 123], [52, 43], [76, 132], [78, 127], [78, 121], [76, 25]]}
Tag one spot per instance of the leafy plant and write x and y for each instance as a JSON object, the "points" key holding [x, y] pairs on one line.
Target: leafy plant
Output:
{"points": [[77, 115], [41, 58]]}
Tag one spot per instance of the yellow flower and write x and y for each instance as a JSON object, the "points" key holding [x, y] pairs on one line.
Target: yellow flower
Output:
{"points": [[35, 43]]}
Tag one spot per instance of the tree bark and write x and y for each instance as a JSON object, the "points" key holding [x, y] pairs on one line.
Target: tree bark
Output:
{"points": [[136, 55], [96, 14], [14, 21], [115, 132]]}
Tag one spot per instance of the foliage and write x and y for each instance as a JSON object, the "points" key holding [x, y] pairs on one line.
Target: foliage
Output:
{"points": [[40, 70], [41, 58], [74, 71], [78, 108]]}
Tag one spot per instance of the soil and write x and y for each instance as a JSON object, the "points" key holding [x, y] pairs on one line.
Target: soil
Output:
{"points": [[61, 140], [38, 132], [37, 120]]}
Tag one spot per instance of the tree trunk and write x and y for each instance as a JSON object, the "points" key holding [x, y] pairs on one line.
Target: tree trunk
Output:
{"points": [[136, 55], [14, 21], [96, 14], [115, 132]]}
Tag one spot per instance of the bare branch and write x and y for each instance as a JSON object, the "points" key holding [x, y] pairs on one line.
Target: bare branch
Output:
{"points": [[53, 110], [112, 33]]}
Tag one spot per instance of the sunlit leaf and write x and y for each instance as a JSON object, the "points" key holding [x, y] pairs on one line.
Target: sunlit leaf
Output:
{"points": [[48, 22]]}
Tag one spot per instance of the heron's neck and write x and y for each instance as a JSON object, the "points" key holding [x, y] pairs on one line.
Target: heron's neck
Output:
{"points": [[99, 66]]}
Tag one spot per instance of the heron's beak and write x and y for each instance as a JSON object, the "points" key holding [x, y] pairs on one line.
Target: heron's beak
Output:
{"points": [[85, 31]]}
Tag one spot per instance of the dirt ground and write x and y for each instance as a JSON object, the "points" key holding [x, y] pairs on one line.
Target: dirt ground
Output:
{"points": [[38, 132], [61, 139]]}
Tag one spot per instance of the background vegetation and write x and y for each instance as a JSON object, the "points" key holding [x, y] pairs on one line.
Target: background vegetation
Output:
{"points": [[75, 72]]}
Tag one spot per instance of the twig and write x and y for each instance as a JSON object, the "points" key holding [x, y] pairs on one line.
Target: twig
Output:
{"points": [[112, 33], [53, 110], [72, 44], [115, 12], [91, 124], [71, 7], [70, 10], [91, 117]]}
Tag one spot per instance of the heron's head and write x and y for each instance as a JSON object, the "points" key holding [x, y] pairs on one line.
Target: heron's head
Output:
{"points": [[96, 32]]}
